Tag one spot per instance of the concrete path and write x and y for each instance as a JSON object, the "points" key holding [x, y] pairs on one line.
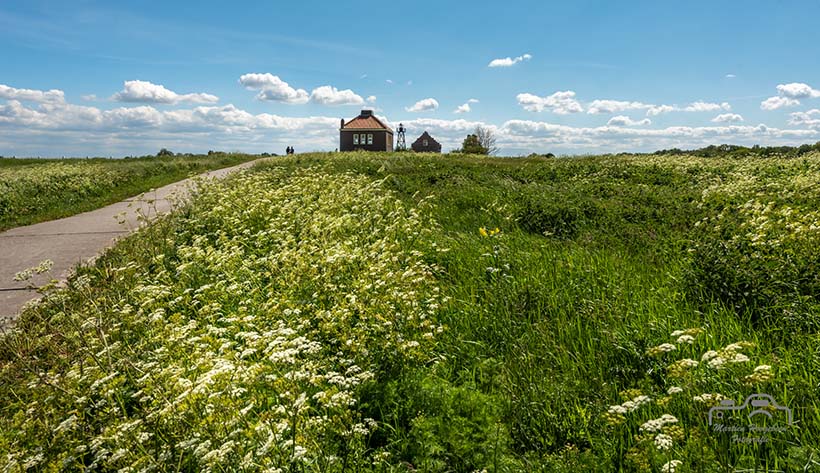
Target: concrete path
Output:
{"points": [[76, 239]]}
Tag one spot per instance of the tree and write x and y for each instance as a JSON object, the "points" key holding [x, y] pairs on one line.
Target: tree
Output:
{"points": [[487, 139], [164, 152], [472, 145]]}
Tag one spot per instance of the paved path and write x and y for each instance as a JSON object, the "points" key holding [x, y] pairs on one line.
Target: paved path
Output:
{"points": [[76, 239]]}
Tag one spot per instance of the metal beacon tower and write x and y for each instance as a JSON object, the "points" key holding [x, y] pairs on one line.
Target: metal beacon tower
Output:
{"points": [[401, 145]]}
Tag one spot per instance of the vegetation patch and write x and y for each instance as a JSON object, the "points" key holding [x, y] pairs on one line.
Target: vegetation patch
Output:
{"points": [[397, 312], [36, 190]]}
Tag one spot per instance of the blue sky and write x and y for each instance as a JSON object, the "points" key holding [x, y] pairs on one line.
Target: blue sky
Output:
{"points": [[570, 77]]}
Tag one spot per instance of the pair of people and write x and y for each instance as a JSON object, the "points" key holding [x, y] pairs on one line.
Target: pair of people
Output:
{"points": [[289, 150]]}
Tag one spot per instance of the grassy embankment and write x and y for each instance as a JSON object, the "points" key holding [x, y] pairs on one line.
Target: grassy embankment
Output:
{"points": [[361, 312], [36, 190]]}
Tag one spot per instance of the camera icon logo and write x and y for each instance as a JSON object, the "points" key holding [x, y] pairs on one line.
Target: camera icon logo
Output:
{"points": [[759, 404]]}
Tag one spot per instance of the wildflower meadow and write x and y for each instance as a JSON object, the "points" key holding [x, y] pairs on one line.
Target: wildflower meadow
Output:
{"points": [[35, 190], [409, 312]]}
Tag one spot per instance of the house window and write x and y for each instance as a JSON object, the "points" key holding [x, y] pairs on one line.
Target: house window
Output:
{"points": [[424, 142], [370, 138], [355, 138]]}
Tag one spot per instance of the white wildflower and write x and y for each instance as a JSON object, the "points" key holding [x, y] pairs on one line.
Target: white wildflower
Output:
{"points": [[671, 466], [663, 442], [686, 339]]}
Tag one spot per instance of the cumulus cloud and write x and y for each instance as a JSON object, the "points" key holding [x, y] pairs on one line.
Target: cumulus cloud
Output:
{"points": [[707, 107], [57, 128], [147, 92], [728, 118], [327, 95], [810, 118], [29, 95], [622, 120], [615, 106], [561, 102], [773, 103], [509, 61], [545, 135], [797, 90], [619, 106], [272, 88], [698, 106], [730, 76], [789, 95], [464, 108], [656, 110], [424, 105], [371, 99]]}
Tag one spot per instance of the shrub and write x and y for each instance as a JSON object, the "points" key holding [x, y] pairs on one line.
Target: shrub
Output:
{"points": [[552, 218], [761, 260]]}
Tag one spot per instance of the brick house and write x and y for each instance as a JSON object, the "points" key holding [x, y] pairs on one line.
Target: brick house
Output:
{"points": [[365, 132], [426, 144]]}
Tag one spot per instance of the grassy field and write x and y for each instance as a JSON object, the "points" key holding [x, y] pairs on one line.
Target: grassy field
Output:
{"points": [[366, 312], [36, 190]]}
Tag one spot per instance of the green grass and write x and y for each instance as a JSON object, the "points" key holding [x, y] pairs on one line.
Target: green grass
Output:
{"points": [[36, 190], [550, 325]]}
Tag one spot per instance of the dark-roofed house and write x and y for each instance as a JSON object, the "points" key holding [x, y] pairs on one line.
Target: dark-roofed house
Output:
{"points": [[365, 132], [426, 144]]}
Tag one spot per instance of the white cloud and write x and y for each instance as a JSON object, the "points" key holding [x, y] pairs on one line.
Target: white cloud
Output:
{"points": [[810, 118], [543, 135], [273, 88], [424, 105], [90, 98], [508, 61], [327, 95], [660, 109], [797, 90], [701, 106], [147, 92], [29, 95], [728, 118], [464, 108], [698, 106], [561, 102], [789, 95], [622, 120], [615, 106], [371, 99], [730, 76], [55, 128], [773, 103], [618, 106], [389, 81]]}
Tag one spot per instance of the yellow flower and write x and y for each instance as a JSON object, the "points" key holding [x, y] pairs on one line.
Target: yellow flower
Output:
{"points": [[482, 231]]}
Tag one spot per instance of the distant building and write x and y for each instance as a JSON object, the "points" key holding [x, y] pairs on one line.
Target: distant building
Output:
{"points": [[365, 132], [426, 144]]}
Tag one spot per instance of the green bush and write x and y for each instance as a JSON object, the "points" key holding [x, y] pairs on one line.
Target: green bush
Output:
{"points": [[562, 220], [761, 260]]}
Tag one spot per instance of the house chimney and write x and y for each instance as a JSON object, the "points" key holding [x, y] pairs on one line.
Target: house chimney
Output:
{"points": [[367, 113], [343, 123]]}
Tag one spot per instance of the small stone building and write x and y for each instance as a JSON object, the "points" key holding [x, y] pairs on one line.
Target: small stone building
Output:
{"points": [[365, 132], [426, 144]]}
